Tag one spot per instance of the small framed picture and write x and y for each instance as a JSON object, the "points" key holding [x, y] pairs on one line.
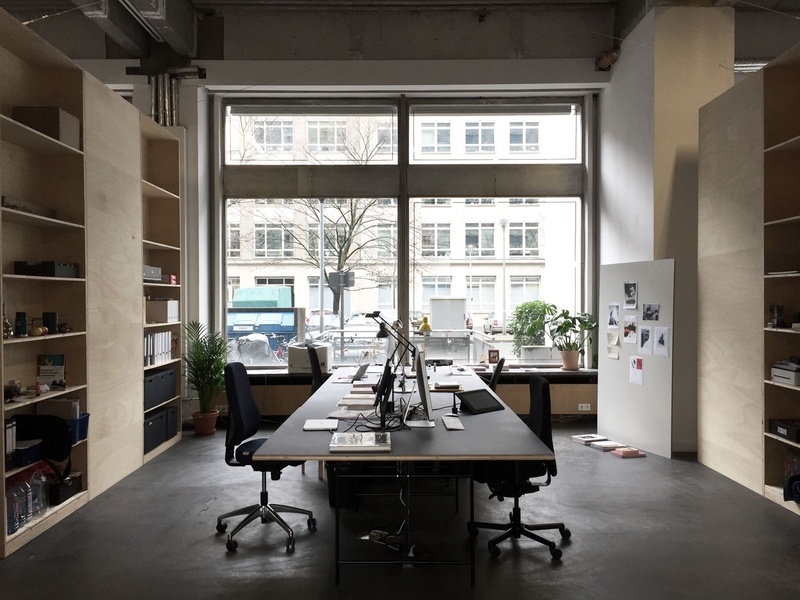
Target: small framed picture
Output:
{"points": [[494, 356]]}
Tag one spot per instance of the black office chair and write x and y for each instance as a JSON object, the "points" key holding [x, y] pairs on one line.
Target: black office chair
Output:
{"points": [[244, 421], [316, 370], [498, 369], [511, 479]]}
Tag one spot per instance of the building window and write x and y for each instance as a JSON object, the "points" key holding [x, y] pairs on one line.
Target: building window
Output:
{"points": [[232, 284], [273, 135], [327, 135], [435, 286], [436, 201], [436, 239], [479, 136], [272, 241], [524, 136], [435, 138], [233, 242], [387, 137], [522, 201], [523, 289], [336, 237], [480, 294], [479, 201], [523, 239], [387, 295], [387, 240], [480, 236]]}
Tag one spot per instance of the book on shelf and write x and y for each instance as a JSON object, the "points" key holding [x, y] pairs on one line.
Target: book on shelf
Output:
{"points": [[587, 438], [628, 452], [159, 347], [361, 441], [50, 368], [606, 445]]}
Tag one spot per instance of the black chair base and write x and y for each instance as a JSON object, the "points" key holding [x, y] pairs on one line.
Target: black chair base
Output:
{"points": [[516, 529], [267, 513]]}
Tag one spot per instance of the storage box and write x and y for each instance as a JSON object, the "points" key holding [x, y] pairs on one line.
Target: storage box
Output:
{"points": [[27, 452], [298, 358], [155, 430], [172, 421], [169, 279], [59, 492], [162, 311], [78, 428], [150, 273], [785, 374], [786, 428], [159, 386], [46, 268], [52, 121]]}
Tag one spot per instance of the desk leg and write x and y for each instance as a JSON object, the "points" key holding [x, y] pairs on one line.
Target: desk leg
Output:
{"points": [[336, 519], [471, 520]]}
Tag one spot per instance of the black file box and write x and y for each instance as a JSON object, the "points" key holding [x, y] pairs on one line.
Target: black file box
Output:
{"points": [[171, 421], [159, 387], [155, 430]]}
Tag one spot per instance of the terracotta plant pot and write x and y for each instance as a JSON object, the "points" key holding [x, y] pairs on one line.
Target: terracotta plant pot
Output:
{"points": [[569, 360], [205, 423]]}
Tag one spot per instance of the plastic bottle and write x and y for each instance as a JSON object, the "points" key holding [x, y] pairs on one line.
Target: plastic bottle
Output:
{"points": [[38, 492], [12, 511]]}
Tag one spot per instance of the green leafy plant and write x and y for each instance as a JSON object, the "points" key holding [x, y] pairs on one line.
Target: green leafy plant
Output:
{"points": [[528, 322], [204, 362], [570, 332]]}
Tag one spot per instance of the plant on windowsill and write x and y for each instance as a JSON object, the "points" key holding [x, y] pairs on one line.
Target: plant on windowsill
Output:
{"points": [[204, 367], [527, 324], [570, 333]]}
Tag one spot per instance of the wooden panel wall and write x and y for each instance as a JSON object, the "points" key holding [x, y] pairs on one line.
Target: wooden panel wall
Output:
{"points": [[114, 278]]}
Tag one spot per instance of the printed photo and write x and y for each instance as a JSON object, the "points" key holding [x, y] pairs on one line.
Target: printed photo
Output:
{"points": [[629, 329], [631, 294], [613, 315], [650, 312]]}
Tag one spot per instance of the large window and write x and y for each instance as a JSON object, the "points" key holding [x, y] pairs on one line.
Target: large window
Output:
{"points": [[463, 259]]}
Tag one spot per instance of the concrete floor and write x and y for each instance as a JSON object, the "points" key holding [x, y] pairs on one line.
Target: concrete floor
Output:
{"points": [[642, 528]]}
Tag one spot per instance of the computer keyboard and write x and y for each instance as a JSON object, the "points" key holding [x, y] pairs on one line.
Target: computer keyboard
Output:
{"points": [[360, 372], [452, 422]]}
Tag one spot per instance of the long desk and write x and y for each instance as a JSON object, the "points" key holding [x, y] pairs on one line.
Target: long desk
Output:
{"points": [[498, 435]]}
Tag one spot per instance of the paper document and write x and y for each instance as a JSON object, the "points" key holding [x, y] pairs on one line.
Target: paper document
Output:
{"points": [[321, 425]]}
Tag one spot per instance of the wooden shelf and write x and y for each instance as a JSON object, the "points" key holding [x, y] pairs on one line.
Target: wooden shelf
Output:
{"points": [[19, 217], [787, 221], [32, 339], [16, 133], [148, 245], [159, 325], [790, 145], [775, 494], [163, 447], [27, 401], [163, 404], [42, 523], [13, 277], [163, 364], [151, 190], [782, 440]]}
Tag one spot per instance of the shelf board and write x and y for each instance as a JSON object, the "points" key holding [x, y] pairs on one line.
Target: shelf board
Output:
{"points": [[31, 339], [163, 404], [163, 285], [163, 447], [27, 401], [162, 364], [154, 325], [780, 439], [782, 275], [782, 330], [792, 144], [42, 523], [775, 493], [786, 221], [16, 133], [14, 471], [148, 245], [151, 190], [19, 217], [11, 276]]}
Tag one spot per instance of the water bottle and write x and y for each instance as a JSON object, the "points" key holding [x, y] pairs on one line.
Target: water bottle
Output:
{"points": [[12, 511], [23, 499]]}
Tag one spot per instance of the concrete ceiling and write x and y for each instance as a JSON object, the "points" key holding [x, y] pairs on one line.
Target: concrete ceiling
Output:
{"points": [[133, 25]]}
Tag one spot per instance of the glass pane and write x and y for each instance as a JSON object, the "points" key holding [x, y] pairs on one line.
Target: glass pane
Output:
{"points": [[278, 268], [282, 135], [523, 134], [500, 253]]}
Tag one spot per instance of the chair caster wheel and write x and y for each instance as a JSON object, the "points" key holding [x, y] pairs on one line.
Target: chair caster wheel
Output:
{"points": [[494, 551], [222, 527], [290, 545], [312, 523], [232, 545], [555, 553], [566, 533]]}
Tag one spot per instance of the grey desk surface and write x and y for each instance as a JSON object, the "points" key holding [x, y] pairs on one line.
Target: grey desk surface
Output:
{"points": [[498, 435]]}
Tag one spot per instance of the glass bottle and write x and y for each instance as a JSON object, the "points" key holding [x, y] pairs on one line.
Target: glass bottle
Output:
{"points": [[12, 511]]}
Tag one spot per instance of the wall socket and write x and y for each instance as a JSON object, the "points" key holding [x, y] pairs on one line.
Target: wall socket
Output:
{"points": [[584, 407], [223, 408]]}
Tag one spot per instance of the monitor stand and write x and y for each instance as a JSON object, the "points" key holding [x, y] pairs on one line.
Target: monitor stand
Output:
{"points": [[416, 424]]}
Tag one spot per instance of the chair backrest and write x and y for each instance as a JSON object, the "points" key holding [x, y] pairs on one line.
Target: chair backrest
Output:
{"points": [[498, 369], [244, 418], [538, 419], [316, 369]]}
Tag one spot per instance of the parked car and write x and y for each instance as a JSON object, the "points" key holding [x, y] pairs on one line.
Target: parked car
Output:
{"points": [[330, 320], [491, 324]]}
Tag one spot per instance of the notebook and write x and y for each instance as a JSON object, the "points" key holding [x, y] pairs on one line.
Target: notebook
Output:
{"points": [[478, 401], [320, 425], [357, 441]]}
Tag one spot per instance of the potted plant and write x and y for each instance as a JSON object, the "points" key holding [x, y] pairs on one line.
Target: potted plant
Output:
{"points": [[204, 364], [569, 334], [527, 324]]}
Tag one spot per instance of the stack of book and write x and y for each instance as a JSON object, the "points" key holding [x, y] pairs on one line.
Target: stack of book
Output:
{"points": [[628, 452], [587, 438], [606, 445]]}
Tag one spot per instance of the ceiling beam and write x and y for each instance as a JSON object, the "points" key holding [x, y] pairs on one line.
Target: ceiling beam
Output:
{"points": [[118, 24], [175, 21]]}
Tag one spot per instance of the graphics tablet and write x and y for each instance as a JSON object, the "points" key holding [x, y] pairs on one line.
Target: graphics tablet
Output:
{"points": [[479, 401]]}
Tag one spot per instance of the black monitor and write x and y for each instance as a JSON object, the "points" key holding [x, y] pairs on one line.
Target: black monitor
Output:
{"points": [[421, 374]]}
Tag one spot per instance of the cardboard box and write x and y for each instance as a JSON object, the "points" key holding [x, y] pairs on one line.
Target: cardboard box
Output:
{"points": [[52, 121], [162, 311], [298, 358]]}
